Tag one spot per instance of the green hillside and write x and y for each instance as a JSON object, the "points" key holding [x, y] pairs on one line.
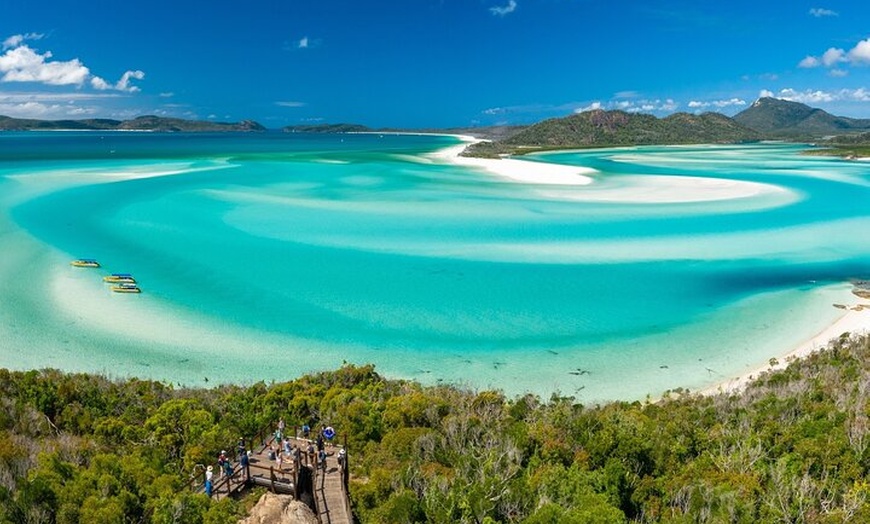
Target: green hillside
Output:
{"points": [[601, 128], [142, 123], [774, 117]]}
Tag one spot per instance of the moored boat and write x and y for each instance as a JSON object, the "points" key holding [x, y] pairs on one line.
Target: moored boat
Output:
{"points": [[126, 288], [85, 262], [120, 278]]}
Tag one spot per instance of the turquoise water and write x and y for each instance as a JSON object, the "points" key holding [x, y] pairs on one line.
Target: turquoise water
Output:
{"points": [[263, 256]]}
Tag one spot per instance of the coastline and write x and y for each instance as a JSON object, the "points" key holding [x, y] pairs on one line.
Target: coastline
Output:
{"points": [[626, 189], [855, 320], [516, 170]]}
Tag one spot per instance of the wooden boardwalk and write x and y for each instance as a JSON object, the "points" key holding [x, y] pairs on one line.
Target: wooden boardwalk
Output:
{"points": [[328, 492]]}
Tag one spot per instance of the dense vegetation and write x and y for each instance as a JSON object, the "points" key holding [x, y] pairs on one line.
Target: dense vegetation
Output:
{"points": [[142, 123], [792, 448], [776, 118], [600, 128]]}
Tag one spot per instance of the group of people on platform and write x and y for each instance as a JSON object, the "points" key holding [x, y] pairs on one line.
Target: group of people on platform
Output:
{"points": [[225, 466], [282, 451]]}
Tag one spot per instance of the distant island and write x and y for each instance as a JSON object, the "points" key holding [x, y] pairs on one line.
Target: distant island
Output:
{"points": [[142, 123], [766, 119]]}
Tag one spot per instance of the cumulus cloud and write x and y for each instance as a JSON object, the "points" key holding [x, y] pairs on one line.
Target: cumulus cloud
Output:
{"points": [[820, 12], [809, 62], [591, 107], [815, 96], [860, 54], [505, 9], [21, 63], [834, 56], [719, 104], [17, 40]]}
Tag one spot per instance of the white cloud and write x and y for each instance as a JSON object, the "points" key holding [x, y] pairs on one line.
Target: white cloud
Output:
{"points": [[168, 94], [626, 94], [17, 40], [504, 10], [720, 104], [860, 54], [303, 43], [819, 12], [766, 93], [591, 107], [838, 73], [124, 83], [290, 104], [809, 62], [21, 63], [833, 56], [814, 96]]}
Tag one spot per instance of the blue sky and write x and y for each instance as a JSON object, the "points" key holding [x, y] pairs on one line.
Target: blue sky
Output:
{"points": [[426, 63]]}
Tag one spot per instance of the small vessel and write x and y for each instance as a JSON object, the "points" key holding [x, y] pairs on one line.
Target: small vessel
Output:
{"points": [[126, 288], [85, 262], [120, 278]]}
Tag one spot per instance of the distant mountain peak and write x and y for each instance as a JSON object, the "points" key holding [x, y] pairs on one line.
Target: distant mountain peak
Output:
{"points": [[787, 118]]}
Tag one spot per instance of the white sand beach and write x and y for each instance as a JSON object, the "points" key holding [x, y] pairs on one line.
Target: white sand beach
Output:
{"points": [[855, 320], [635, 189]]}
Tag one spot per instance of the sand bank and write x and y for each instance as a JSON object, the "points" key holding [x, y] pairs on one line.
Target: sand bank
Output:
{"points": [[630, 189], [855, 320]]}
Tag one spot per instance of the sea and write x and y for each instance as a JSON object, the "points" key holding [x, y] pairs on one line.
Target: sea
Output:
{"points": [[265, 256]]}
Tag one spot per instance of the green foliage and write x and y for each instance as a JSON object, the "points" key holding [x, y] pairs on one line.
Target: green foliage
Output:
{"points": [[793, 447]]}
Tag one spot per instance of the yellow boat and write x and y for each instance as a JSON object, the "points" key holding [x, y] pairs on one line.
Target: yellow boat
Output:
{"points": [[126, 288], [85, 262], [120, 278]]}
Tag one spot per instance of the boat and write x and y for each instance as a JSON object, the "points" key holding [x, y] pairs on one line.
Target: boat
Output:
{"points": [[85, 262], [120, 278], [126, 288]]}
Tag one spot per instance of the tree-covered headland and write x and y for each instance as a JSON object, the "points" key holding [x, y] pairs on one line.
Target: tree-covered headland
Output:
{"points": [[793, 447]]}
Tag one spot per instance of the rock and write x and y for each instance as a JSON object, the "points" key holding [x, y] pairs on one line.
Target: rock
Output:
{"points": [[279, 509]]}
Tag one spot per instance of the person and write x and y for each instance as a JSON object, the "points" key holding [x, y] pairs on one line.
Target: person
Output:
{"points": [[209, 472], [286, 445], [321, 457], [279, 458], [311, 454], [271, 452], [222, 459], [228, 468], [245, 459], [281, 425], [241, 446], [319, 442], [306, 430], [342, 455]]}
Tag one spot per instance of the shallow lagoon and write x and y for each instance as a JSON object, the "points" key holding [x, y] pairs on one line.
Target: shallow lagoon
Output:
{"points": [[265, 256]]}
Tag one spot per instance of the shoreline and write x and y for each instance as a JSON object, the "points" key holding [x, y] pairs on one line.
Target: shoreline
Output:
{"points": [[855, 321], [625, 189]]}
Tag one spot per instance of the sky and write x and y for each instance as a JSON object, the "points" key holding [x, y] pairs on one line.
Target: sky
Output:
{"points": [[426, 63]]}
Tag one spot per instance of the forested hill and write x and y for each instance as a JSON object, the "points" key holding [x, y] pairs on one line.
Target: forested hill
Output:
{"points": [[615, 128], [786, 119], [142, 123], [599, 128], [794, 447]]}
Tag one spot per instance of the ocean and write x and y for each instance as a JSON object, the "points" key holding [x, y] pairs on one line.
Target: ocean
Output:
{"points": [[264, 256]]}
